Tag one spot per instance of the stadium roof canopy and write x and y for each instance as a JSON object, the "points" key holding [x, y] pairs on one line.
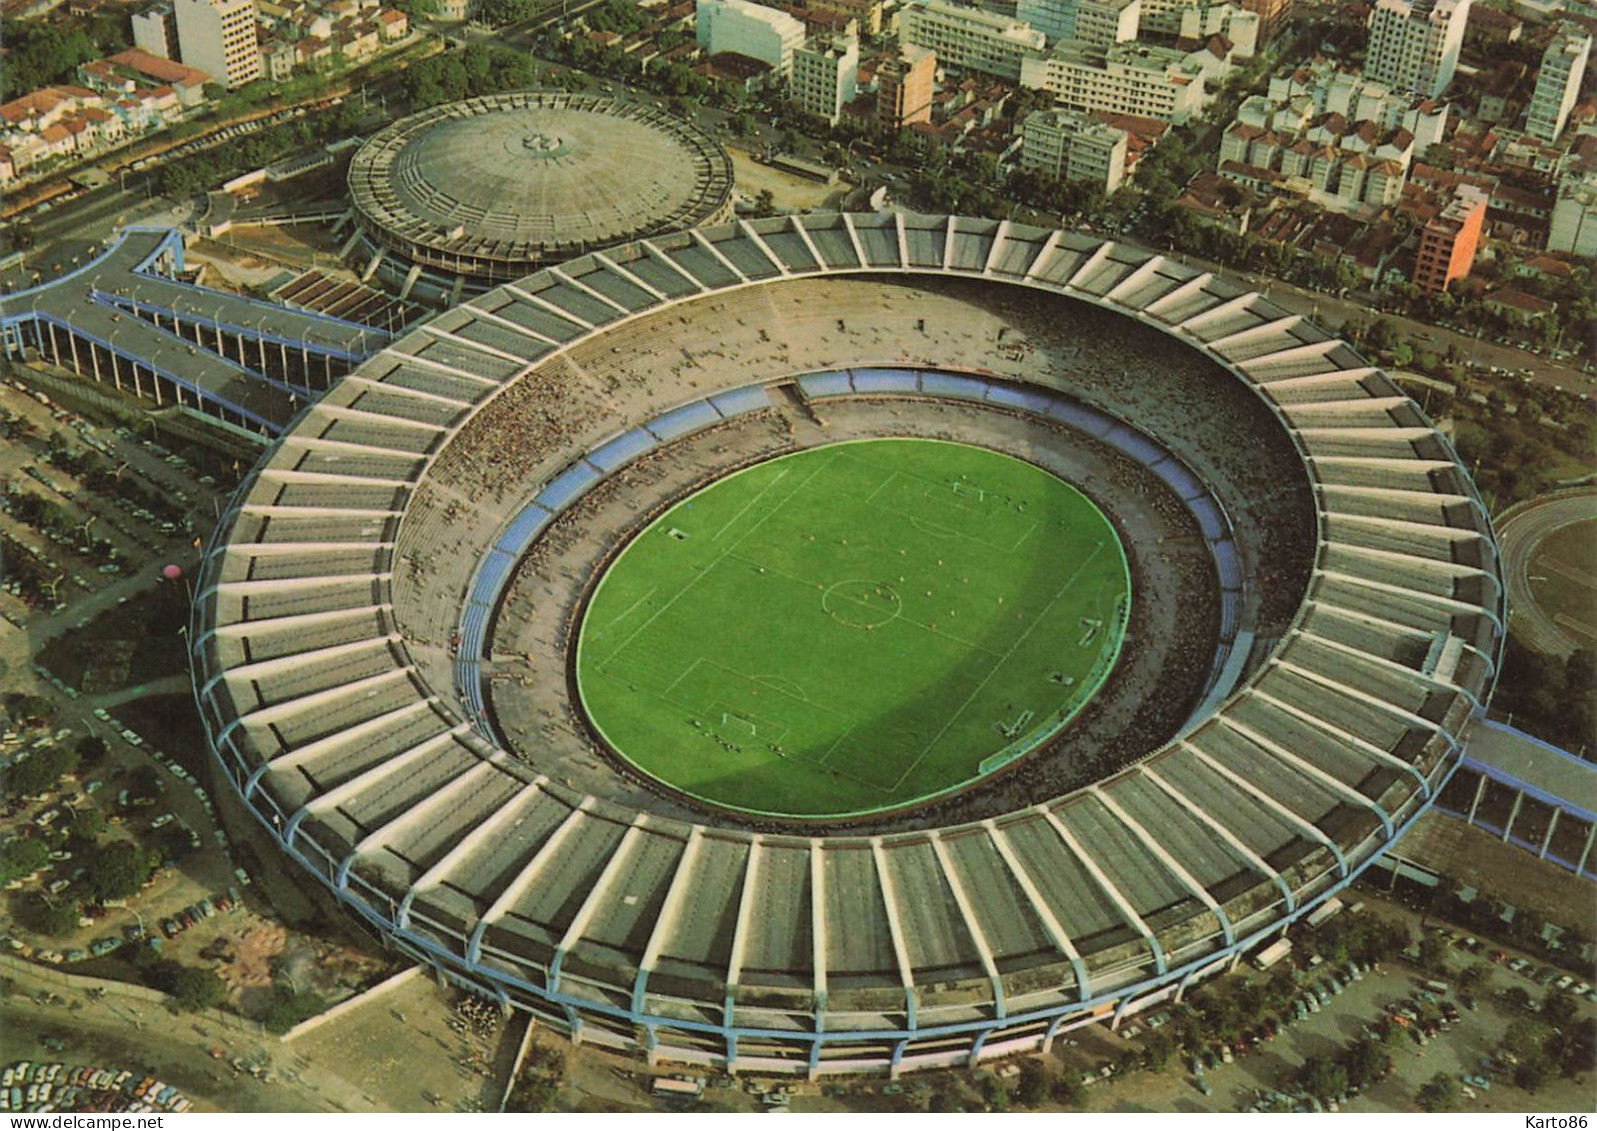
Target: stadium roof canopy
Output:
{"points": [[359, 740]]}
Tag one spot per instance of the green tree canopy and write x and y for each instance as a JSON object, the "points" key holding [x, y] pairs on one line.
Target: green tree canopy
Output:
{"points": [[118, 871]]}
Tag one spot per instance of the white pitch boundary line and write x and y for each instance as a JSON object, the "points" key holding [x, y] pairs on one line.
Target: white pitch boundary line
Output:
{"points": [[952, 719]]}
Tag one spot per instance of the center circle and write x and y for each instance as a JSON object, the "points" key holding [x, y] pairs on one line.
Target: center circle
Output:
{"points": [[861, 604], [853, 628]]}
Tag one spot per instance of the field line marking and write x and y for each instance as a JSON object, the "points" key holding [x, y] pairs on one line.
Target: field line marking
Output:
{"points": [[682, 675], [627, 612], [707, 570], [741, 511], [1035, 621]]}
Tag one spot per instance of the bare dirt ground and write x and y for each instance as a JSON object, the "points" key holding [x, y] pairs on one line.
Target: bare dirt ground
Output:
{"points": [[790, 192]]}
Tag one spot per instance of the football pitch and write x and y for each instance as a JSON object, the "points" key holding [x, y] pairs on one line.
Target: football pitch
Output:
{"points": [[853, 627]]}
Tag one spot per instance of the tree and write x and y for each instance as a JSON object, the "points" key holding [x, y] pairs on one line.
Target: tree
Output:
{"points": [[945, 1098], [35, 710], [38, 53], [1532, 1073], [54, 918], [1065, 1090], [1365, 1062], [22, 858], [118, 871], [289, 1009], [765, 203], [1440, 1093], [86, 825], [90, 749], [1559, 1008], [196, 988], [1523, 1038], [1323, 1077], [1433, 952], [42, 772], [995, 1097], [1032, 1087]]}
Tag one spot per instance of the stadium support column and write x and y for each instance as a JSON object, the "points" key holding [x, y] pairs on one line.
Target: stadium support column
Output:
{"points": [[349, 244], [1547, 837], [894, 1066], [371, 265], [1475, 803], [1585, 853], [410, 281], [976, 1046], [1513, 815]]}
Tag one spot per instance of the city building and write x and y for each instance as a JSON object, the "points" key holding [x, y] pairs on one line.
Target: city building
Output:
{"points": [[1272, 16], [867, 14], [155, 30], [1572, 227], [1098, 22], [1448, 243], [1070, 146], [1056, 19], [1414, 44], [970, 39], [1324, 89], [904, 87], [128, 71], [1242, 28], [739, 27], [218, 37], [1128, 78], [1558, 82], [825, 76], [1103, 23]]}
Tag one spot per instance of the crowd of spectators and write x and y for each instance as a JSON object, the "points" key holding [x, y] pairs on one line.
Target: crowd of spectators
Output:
{"points": [[1222, 431]]}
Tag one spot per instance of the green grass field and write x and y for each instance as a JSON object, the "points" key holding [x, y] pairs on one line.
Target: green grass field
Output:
{"points": [[853, 627]]}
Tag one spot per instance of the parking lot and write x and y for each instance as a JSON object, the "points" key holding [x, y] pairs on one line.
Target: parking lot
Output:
{"points": [[1362, 1007]]}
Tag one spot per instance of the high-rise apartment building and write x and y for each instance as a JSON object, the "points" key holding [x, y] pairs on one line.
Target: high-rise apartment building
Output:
{"points": [[968, 38], [753, 30], [1128, 78], [1448, 243], [1105, 22], [1099, 22], [1272, 16], [826, 76], [1070, 146], [1414, 44], [904, 87], [155, 31], [1558, 82], [218, 37], [1056, 19]]}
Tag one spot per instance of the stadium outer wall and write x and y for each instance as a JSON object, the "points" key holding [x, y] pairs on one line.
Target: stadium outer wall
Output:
{"points": [[1328, 750]]}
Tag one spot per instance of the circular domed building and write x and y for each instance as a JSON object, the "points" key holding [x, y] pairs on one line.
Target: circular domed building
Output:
{"points": [[470, 194]]}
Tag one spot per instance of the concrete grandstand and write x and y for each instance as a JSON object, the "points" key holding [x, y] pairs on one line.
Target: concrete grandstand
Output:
{"points": [[350, 671], [463, 196], [127, 320]]}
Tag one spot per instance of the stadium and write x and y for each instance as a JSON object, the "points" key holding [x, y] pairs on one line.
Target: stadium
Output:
{"points": [[463, 196], [392, 621]]}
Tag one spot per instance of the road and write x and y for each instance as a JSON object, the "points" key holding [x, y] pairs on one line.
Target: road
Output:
{"points": [[75, 232], [1520, 532], [1331, 312]]}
